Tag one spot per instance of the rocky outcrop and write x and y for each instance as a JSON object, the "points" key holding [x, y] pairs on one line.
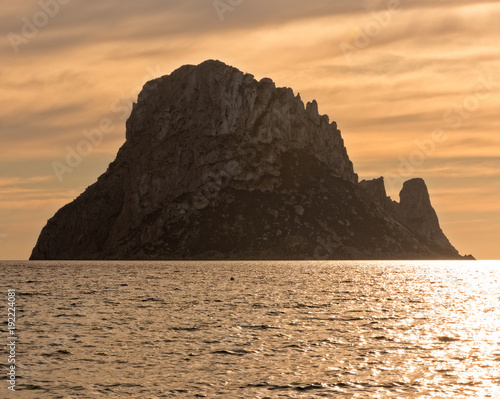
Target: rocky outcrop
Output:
{"points": [[414, 209], [218, 165], [376, 191]]}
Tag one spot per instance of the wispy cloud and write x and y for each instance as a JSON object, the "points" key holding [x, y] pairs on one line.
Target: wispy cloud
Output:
{"points": [[9, 182], [393, 93]]}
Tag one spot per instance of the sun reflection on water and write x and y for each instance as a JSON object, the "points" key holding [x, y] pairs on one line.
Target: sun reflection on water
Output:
{"points": [[279, 329], [460, 326]]}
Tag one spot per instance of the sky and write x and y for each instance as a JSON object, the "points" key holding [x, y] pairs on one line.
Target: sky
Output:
{"points": [[414, 86]]}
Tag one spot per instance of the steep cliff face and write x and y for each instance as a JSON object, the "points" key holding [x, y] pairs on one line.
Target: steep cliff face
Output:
{"points": [[217, 165], [414, 209], [376, 190]]}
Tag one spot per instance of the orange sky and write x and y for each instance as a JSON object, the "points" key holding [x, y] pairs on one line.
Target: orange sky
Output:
{"points": [[413, 85]]}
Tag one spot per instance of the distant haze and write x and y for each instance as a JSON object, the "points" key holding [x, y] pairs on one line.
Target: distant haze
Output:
{"points": [[413, 85]]}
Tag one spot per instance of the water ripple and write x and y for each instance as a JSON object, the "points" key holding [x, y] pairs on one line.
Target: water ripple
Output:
{"points": [[277, 330]]}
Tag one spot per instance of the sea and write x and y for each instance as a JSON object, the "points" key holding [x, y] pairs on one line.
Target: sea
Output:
{"points": [[252, 329]]}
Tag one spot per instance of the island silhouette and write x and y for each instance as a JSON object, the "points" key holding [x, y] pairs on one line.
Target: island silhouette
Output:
{"points": [[218, 165]]}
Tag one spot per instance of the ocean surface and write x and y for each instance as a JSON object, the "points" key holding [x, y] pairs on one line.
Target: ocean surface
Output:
{"points": [[311, 329]]}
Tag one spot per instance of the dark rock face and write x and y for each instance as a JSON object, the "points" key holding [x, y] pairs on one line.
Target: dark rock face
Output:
{"points": [[414, 209], [376, 190], [217, 165]]}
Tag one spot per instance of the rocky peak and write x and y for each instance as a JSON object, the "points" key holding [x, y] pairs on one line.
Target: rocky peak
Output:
{"points": [[212, 99], [375, 189], [218, 165], [416, 211]]}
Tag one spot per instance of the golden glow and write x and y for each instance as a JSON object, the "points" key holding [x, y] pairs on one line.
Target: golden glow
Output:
{"points": [[431, 66]]}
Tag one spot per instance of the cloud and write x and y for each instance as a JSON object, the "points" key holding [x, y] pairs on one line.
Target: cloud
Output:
{"points": [[10, 182], [393, 93]]}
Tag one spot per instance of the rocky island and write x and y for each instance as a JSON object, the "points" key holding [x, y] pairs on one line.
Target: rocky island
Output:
{"points": [[218, 165]]}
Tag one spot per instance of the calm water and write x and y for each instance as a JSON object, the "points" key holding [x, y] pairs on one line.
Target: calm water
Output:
{"points": [[278, 330]]}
